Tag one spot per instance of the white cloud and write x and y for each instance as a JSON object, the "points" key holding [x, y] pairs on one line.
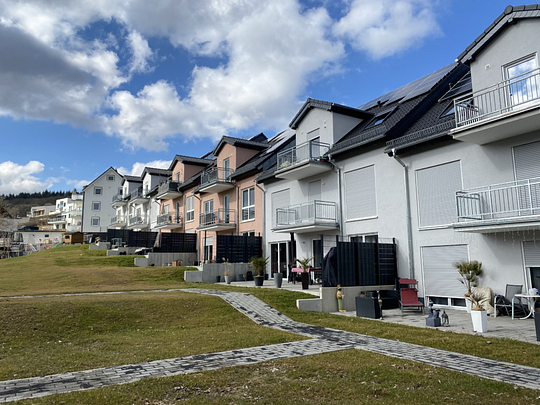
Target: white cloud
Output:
{"points": [[137, 168], [77, 184], [271, 50], [383, 28], [17, 179]]}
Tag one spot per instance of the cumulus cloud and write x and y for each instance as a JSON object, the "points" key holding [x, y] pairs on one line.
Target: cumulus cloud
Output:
{"points": [[17, 179], [52, 69], [383, 28], [137, 168]]}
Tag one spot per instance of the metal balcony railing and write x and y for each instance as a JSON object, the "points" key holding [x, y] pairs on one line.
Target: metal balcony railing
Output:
{"points": [[167, 219], [117, 220], [117, 197], [216, 174], [309, 213], [518, 92], [136, 220], [505, 200], [56, 220], [75, 212], [305, 152], [217, 217], [168, 186], [77, 197], [138, 193]]}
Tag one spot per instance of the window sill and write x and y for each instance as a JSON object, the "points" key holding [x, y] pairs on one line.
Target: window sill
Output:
{"points": [[247, 220], [435, 227], [362, 219]]}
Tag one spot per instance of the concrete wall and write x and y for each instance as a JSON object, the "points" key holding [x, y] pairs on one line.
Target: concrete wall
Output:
{"points": [[329, 300], [165, 259], [210, 271]]}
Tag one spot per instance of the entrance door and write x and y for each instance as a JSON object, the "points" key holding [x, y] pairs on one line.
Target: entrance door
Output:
{"points": [[226, 200], [278, 258]]}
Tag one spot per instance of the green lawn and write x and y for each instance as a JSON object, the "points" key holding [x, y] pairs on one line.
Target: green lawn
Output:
{"points": [[40, 336]]}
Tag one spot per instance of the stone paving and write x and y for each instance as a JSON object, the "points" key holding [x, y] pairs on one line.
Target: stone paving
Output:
{"points": [[322, 340]]}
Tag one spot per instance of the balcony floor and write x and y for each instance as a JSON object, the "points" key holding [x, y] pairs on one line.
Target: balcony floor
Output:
{"points": [[217, 227], [303, 170], [522, 223], [301, 228]]}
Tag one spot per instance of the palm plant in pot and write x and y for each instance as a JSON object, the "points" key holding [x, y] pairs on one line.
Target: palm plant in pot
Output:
{"points": [[227, 274], [258, 264], [304, 265], [469, 273], [478, 313]]}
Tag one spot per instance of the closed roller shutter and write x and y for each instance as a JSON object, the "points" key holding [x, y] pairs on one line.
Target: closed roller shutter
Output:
{"points": [[360, 194], [314, 190], [280, 199], [527, 161], [440, 276], [436, 191], [531, 252]]}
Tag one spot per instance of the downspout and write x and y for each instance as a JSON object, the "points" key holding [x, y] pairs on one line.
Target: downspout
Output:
{"points": [[263, 215], [408, 212], [340, 210]]}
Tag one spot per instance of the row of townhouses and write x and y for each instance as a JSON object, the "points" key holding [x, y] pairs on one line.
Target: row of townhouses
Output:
{"points": [[447, 167]]}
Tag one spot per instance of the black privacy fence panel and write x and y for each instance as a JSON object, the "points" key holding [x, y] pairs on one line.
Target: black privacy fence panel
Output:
{"points": [[365, 263], [238, 249], [167, 243]]}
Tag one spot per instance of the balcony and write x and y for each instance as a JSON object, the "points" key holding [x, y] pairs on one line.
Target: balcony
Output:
{"points": [[61, 220], [118, 200], [118, 221], [313, 216], [137, 196], [76, 197], [302, 161], [137, 222], [512, 206], [217, 220], [216, 180], [168, 190], [75, 212], [507, 109], [167, 221]]}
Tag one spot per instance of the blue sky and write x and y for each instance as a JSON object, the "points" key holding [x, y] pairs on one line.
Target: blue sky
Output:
{"points": [[89, 85]]}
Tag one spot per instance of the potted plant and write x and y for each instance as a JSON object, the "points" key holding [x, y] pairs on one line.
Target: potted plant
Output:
{"points": [[469, 273], [478, 314], [227, 274], [278, 279], [304, 265], [258, 264]]}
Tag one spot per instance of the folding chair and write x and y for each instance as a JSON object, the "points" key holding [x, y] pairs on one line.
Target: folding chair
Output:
{"points": [[505, 301], [409, 295]]}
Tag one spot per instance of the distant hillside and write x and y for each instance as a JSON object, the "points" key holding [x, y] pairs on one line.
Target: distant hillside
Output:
{"points": [[20, 204]]}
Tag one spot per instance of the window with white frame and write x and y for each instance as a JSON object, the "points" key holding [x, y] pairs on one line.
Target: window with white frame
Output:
{"points": [[96, 206], [190, 209], [110, 177], [248, 204], [436, 189], [98, 190], [95, 221], [360, 193]]}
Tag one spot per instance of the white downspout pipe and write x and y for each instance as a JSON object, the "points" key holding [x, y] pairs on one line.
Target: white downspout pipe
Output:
{"points": [[408, 213]]}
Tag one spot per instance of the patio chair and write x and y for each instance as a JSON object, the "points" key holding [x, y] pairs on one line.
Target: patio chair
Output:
{"points": [[409, 295], [504, 302]]}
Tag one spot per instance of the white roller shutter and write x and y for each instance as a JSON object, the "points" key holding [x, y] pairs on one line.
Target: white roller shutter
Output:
{"points": [[436, 193], [531, 252], [314, 190], [280, 199], [360, 193], [527, 161], [440, 276]]}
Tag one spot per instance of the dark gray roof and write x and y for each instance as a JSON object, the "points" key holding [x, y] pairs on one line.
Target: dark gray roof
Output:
{"points": [[189, 160], [325, 105], [402, 113], [156, 171], [243, 143], [132, 178], [508, 17]]}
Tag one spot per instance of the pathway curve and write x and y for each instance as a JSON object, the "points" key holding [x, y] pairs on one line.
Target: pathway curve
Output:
{"points": [[322, 340]]}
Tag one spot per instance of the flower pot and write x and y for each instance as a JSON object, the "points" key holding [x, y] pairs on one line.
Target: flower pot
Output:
{"points": [[278, 279], [305, 281], [228, 279], [259, 281], [479, 321]]}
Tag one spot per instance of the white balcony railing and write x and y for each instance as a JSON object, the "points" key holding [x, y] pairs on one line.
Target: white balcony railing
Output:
{"points": [[307, 214], [505, 200], [305, 152], [136, 220], [117, 220], [519, 92]]}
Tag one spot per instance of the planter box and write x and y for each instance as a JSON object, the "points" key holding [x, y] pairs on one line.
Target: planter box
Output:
{"points": [[368, 307], [479, 321]]}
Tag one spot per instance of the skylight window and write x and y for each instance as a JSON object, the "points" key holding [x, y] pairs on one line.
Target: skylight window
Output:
{"points": [[379, 119]]}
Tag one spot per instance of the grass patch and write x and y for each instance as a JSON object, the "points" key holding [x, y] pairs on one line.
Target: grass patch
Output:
{"points": [[346, 377], [45, 336]]}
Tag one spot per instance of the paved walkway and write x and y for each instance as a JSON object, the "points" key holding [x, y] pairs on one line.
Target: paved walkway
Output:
{"points": [[322, 340]]}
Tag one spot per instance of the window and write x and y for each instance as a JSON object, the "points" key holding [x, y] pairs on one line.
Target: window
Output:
{"points": [[110, 177], [226, 168], [120, 190], [178, 177], [177, 214], [166, 210], [248, 204], [280, 199], [190, 210], [379, 119], [248, 233], [96, 206], [436, 189], [360, 193], [449, 110], [439, 273], [98, 190], [523, 85], [95, 221]]}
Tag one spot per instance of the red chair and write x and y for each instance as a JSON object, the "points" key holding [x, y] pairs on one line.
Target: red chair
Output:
{"points": [[409, 295]]}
